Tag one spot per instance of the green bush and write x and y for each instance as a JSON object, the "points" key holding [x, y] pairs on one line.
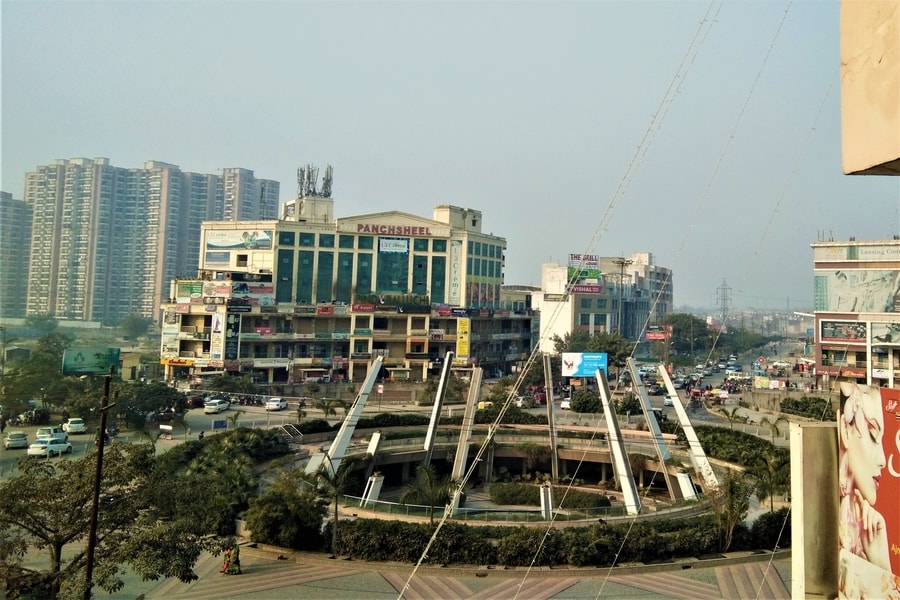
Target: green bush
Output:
{"points": [[813, 408], [384, 420], [771, 530], [315, 426]]}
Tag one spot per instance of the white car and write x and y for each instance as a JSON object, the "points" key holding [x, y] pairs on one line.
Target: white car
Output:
{"points": [[667, 401], [50, 447], [566, 404], [15, 439], [54, 431], [74, 425], [216, 406], [276, 404]]}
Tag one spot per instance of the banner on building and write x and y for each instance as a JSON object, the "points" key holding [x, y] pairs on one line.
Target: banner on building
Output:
{"points": [[869, 486]]}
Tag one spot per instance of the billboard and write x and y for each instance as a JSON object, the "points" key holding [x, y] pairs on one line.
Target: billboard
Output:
{"points": [[857, 290], [869, 478], [90, 361], [224, 239], [462, 338], [584, 364], [846, 332], [583, 266]]}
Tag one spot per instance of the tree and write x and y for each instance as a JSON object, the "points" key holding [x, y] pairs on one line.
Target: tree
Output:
{"points": [[334, 483], [44, 323], [586, 402], [328, 406], [134, 326], [136, 401], [772, 472], [428, 489], [733, 416], [48, 507], [616, 347], [288, 514], [773, 425], [729, 503]]}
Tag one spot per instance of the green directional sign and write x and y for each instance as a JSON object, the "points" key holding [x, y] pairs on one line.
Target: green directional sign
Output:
{"points": [[90, 361]]}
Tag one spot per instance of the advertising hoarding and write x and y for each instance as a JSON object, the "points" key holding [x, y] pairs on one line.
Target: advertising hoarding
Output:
{"points": [[462, 338], [221, 239], [90, 361], [584, 364], [857, 290], [846, 332], [869, 478]]}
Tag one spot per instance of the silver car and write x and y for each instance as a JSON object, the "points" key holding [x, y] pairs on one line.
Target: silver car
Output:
{"points": [[15, 439]]}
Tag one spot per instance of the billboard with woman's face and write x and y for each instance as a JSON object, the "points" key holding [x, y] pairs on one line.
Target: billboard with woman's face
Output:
{"points": [[869, 462]]}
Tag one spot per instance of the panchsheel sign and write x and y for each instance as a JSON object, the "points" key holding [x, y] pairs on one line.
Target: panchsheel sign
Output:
{"points": [[90, 361]]}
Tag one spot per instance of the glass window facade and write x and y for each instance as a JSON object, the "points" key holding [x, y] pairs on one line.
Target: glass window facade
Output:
{"points": [[420, 274], [420, 245], [365, 242], [438, 245], [345, 241], [285, 276], [307, 240], [344, 287], [286, 238], [364, 274], [438, 274], [393, 273], [326, 240], [324, 277], [305, 275]]}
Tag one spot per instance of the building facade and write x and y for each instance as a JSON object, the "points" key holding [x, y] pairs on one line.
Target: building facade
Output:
{"points": [[597, 294], [15, 246], [310, 297], [107, 240], [857, 312]]}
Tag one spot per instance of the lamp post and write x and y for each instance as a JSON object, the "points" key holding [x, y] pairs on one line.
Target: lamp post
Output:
{"points": [[622, 263]]}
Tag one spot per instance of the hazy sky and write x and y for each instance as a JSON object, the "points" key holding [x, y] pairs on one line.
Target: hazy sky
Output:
{"points": [[531, 112]]}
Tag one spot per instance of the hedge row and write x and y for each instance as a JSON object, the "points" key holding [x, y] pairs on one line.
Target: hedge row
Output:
{"points": [[813, 408], [599, 545]]}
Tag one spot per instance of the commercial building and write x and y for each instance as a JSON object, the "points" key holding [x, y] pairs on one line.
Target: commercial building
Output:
{"points": [[597, 294], [107, 240], [857, 312], [311, 297], [15, 242]]}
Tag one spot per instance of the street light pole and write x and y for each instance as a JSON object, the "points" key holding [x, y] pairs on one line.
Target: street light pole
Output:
{"points": [[622, 263]]}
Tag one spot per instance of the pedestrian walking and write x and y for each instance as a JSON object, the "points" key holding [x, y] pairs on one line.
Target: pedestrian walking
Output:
{"points": [[2, 424], [200, 437]]}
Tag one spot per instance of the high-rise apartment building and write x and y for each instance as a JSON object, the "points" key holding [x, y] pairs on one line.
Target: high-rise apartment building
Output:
{"points": [[108, 239], [15, 242]]}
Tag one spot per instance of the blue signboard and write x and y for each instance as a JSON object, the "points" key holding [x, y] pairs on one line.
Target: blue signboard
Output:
{"points": [[584, 364]]}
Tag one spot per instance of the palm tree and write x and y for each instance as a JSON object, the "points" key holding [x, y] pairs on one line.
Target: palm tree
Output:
{"points": [[328, 406], [773, 424], [333, 483], [427, 488], [233, 418], [733, 416], [772, 472]]}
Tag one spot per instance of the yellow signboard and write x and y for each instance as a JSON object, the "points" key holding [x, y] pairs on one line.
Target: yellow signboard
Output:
{"points": [[462, 338]]}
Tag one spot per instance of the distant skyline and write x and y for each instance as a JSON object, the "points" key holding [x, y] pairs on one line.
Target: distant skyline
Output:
{"points": [[530, 112]]}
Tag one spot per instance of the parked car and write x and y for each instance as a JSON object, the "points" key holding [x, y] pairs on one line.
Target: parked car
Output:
{"points": [[195, 401], [667, 401], [74, 425], [15, 439], [52, 431], [216, 406], [276, 404], [49, 447]]}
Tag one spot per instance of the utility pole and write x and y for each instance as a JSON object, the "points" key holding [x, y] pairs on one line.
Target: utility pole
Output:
{"points": [[2, 350], [95, 503], [621, 263]]}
